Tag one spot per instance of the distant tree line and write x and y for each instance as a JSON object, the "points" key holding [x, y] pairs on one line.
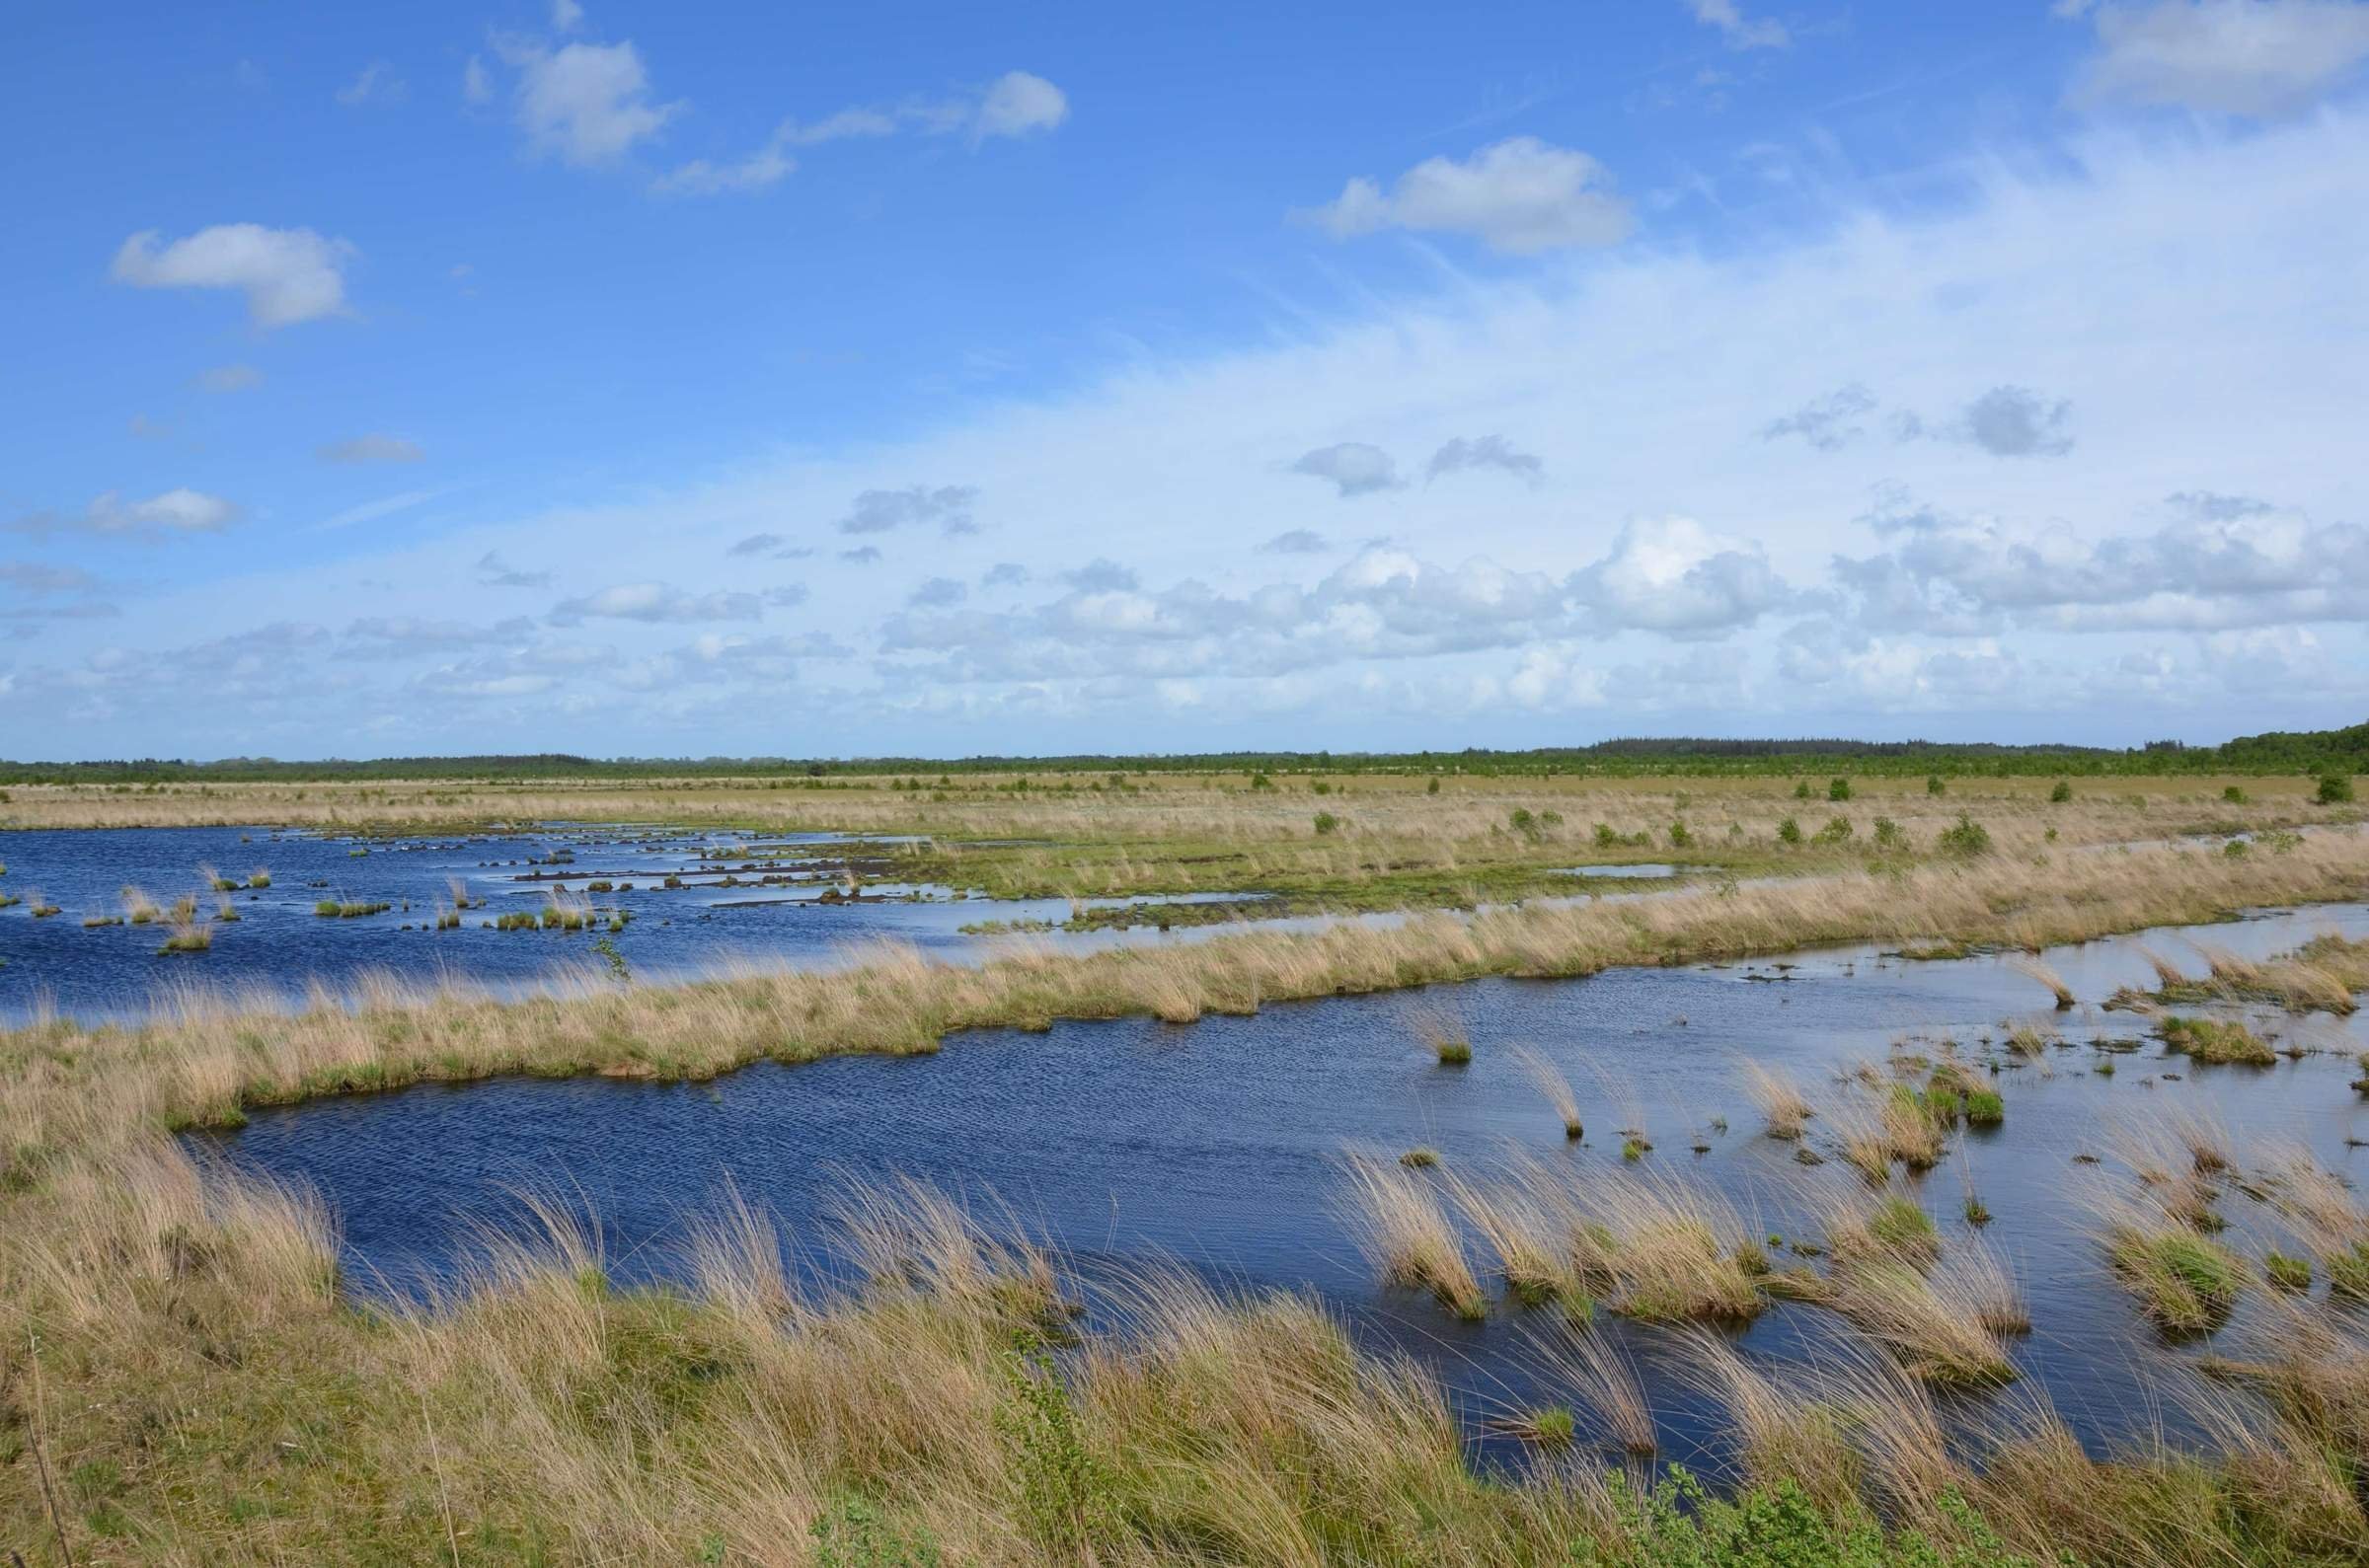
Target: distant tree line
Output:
{"points": [[2302, 752]]}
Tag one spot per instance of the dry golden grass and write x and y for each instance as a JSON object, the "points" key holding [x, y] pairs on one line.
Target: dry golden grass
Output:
{"points": [[206, 1395]]}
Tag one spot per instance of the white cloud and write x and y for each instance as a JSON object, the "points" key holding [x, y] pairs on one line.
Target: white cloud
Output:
{"points": [[288, 275], [566, 15], [2219, 561], [1354, 466], [372, 448], [174, 511], [1740, 32], [1519, 196], [2169, 283], [377, 84], [657, 601], [1020, 104], [767, 166], [585, 104], [1015, 104], [477, 83], [1673, 575], [2251, 57]]}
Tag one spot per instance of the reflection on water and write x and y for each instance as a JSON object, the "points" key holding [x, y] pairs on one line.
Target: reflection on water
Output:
{"points": [[1219, 1144]]}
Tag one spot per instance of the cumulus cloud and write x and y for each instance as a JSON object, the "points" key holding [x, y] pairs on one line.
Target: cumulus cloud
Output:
{"points": [[879, 511], [1738, 31], [585, 104], [1488, 451], [2219, 561], [2249, 57], [1296, 542], [1384, 603], [860, 555], [938, 591], [1520, 195], [372, 448], [1005, 574], [1353, 468], [288, 275], [495, 572], [656, 601], [1673, 576]]}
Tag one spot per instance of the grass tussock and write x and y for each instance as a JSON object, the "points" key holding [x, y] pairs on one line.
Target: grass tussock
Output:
{"points": [[2185, 1284], [2032, 968], [2216, 1040], [1552, 1083], [1407, 1234], [1782, 1106]]}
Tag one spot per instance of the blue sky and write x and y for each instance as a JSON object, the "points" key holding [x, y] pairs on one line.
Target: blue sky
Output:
{"points": [[666, 380]]}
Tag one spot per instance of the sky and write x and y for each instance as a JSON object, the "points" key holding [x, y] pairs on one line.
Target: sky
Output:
{"points": [[688, 380]]}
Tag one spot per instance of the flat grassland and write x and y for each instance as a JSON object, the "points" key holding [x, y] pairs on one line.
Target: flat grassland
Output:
{"points": [[183, 1380]]}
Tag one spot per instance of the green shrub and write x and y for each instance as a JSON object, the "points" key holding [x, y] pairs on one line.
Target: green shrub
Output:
{"points": [[1326, 822], [2235, 796], [2061, 793], [1968, 839], [1888, 835], [1934, 785], [2335, 790], [1838, 789], [1788, 831], [1836, 831]]}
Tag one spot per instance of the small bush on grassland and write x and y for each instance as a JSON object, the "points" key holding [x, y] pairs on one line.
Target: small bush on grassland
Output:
{"points": [[1968, 838], [1788, 831], [1326, 822], [2062, 792], [2335, 790], [1838, 789], [1934, 785]]}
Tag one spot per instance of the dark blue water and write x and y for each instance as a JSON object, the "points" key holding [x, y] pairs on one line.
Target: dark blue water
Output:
{"points": [[743, 899], [1219, 1144]]}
